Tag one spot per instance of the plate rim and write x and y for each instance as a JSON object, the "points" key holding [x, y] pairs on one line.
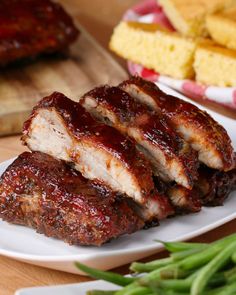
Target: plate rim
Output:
{"points": [[94, 282]]}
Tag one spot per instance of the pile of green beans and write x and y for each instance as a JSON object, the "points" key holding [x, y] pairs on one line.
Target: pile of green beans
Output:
{"points": [[191, 268]]}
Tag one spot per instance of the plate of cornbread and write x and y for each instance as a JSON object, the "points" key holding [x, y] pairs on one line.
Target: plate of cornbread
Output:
{"points": [[188, 45]]}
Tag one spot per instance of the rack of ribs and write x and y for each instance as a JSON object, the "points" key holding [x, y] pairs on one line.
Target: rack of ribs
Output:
{"points": [[29, 28], [197, 127], [46, 194], [121, 159], [63, 129], [171, 157]]}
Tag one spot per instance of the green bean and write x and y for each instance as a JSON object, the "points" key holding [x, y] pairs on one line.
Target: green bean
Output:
{"points": [[177, 256], [225, 277], [175, 284], [171, 271], [105, 275], [225, 290], [217, 280], [185, 284], [171, 292], [180, 246], [100, 292], [156, 274], [196, 260], [150, 266], [139, 291], [230, 274], [191, 267], [231, 278], [130, 289], [208, 271], [156, 264], [234, 257]]}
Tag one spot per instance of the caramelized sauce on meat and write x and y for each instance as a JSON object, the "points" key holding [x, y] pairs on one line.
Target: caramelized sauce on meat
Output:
{"points": [[81, 124], [46, 194], [176, 110], [154, 127]]}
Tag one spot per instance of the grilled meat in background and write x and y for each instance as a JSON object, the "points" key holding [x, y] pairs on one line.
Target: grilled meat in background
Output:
{"points": [[29, 28], [46, 194]]}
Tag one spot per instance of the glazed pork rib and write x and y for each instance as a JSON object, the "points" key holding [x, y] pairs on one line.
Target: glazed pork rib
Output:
{"points": [[211, 189], [32, 27], [171, 157], [183, 200], [78, 211], [63, 129], [197, 127]]}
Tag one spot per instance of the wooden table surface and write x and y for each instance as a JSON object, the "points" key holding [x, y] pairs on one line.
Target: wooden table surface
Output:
{"points": [[98, 17]]}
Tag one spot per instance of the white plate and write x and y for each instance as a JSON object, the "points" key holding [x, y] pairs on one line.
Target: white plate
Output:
{"points": [[25, 244], [73, 289]]}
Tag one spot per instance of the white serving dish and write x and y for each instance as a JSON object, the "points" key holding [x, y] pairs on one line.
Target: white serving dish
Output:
{"points": [[26, 245]]}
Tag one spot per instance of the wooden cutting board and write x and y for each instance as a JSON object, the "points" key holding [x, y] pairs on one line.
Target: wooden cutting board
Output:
{"points": [[86, 66]]}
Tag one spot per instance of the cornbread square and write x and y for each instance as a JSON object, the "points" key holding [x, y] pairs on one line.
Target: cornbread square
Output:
{"points": [[222, 27], [215, 65], [155, 48], [188, 16]]}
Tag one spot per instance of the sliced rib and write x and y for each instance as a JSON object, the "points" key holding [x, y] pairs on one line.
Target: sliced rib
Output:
{"points": [[182, 199], [62, 128], [197, 127], [170, 156], [48, 195]]}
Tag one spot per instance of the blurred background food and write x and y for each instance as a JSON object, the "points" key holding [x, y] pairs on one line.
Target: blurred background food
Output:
{"points": [[188, 16], [222, 27], [40, 53], [197, 50], [155, 47], [215, 65]]}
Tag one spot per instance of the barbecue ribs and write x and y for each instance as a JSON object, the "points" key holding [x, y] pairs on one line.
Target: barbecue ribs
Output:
{"points": [[211, 189], [171, 157], [183, 200], [63, 129], [29, 28], [46, 194], [198, 128], [86, 182]]}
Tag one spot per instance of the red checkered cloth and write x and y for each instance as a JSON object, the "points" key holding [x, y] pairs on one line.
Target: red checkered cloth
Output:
{"points": [[149, 11]]}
